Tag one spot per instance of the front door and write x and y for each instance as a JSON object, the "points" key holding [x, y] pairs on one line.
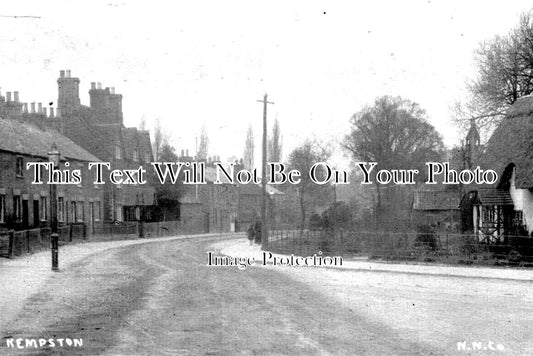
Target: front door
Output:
{"points": [[91, 218], [36, 219], [25, 214]]}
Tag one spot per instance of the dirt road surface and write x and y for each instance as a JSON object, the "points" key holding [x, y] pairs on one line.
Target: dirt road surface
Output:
{"points": [[162, 299]]}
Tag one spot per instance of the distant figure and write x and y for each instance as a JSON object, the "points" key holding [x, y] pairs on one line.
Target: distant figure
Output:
{"points": [[251, 234], [257, 232]]}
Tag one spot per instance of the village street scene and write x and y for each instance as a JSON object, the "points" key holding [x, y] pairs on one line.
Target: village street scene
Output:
{"points": [[299, 180]]}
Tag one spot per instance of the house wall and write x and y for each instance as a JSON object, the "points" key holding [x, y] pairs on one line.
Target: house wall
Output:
{"points": [[87, 197], [523, 201]]}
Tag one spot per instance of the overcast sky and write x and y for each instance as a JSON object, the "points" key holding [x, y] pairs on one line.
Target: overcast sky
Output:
{"points": [[207, 62]]}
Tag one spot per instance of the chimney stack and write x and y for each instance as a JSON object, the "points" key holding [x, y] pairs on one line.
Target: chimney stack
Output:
{"points": [[99, 85], [40, 108], [68, 73], [93, 85], [182, 153], [52, 112], [8, 96], [61, 74], [32, 108], [16, 96], [112, 90], [45, 112]]}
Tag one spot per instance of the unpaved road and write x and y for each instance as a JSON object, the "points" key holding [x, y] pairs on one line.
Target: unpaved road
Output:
{"points": [[161, 299]]}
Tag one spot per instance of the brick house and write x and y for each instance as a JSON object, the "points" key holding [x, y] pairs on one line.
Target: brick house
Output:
{"points": [[25, 205], [99, 129]]}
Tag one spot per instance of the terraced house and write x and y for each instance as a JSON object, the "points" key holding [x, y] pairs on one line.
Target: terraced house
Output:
{"points": [[98, 129], [25, 205]]}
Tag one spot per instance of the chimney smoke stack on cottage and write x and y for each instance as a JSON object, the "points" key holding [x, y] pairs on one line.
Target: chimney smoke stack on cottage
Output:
{"points": [[112, 90], [40, 108], [52, 112], [8, 96], [25, 107], [61, 74], [99, 85], [16, 96], [93, 85], [32, 108], [45, 112], [68, 73]]}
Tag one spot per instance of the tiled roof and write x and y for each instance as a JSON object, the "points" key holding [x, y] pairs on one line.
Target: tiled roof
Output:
{"points": [[494, 196], [24, 138], [436, 200]]}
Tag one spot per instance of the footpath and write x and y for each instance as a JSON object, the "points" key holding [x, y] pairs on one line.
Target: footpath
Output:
{"points": [[25, 275], [241, 248]]}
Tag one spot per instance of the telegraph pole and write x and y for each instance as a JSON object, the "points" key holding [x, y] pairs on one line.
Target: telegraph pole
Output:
{"points": [[264, 227]]}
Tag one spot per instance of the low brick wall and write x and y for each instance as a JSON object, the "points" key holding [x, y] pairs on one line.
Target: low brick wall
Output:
{"points": [[29, 241], [16, 243]]}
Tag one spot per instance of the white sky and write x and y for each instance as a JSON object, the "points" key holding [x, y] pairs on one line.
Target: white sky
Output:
{"points": [[207, 62]]}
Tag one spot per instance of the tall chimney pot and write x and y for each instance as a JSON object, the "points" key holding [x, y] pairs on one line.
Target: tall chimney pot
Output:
{"points": [[93, 85], [32, 108], [99, 85], [8, 96], [16, 96], [68, 73], [40, 108]]}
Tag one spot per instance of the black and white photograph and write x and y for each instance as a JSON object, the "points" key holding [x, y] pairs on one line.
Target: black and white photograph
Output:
{"points": [[266, 178]]}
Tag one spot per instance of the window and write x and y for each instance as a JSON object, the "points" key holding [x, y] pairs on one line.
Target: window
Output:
{"points": [[17, 210], [61, 209], [136, 155], [119, 216], [2, 208], [96, 211], [81, 212], [118, 152], [19, 168], [73, 212], [43, 209]]}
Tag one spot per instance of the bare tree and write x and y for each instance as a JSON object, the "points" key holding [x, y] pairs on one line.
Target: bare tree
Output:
{"points": [[203, 145], [249, 149], [275, 144], [303, 158], [505, 73], [394, 133], [142, 124], [168, 194], [158, 139]]}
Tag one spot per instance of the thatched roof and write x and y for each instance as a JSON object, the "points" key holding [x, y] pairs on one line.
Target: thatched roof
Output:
{"points": [[512, 143], [27, 139]]}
